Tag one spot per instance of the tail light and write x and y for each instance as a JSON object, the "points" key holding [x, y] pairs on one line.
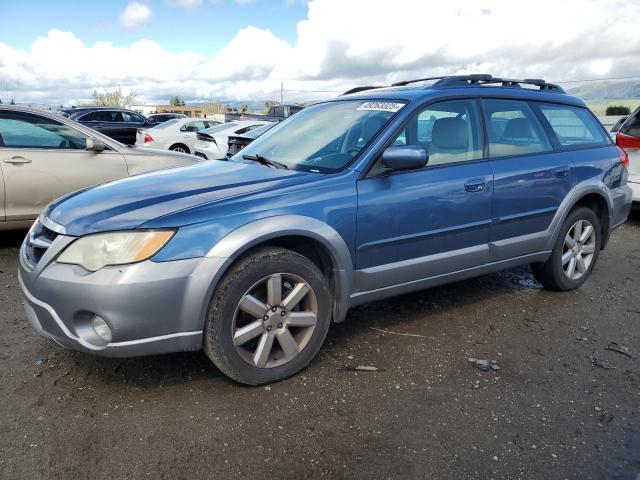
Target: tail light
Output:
{"points": [[627, 141], [147, 138], [624, 157]]}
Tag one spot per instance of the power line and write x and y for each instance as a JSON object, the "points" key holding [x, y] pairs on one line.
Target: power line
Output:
{"points": [[584, 80]]}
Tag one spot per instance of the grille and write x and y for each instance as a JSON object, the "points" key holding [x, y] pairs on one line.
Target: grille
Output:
{"points": [[38, 241]]}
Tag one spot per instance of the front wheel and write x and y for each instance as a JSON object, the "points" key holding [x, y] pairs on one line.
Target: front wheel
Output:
{"points": [[268, 317], [575, 252]]}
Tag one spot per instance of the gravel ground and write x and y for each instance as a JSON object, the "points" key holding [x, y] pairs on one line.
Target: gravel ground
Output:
{"points": [[561, 405]]}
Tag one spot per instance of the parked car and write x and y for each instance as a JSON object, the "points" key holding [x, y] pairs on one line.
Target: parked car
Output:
{"points": [[212, 143], [163, 117], [346, 202], [275, 113], [117, 123], [44, 156], [628, 138], [178, 135], [616, 126], [236, 143]]}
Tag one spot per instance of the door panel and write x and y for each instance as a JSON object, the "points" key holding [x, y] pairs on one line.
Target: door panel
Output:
{"points": [[2, 213], [43, 176], [420, 224], [531, 180]]}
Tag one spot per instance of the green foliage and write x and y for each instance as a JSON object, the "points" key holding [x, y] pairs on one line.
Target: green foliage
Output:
{"points": [[176, 101], [617, 110], [114, 98]]}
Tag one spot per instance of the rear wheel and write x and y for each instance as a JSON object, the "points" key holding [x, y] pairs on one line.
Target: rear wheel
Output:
{"points": [[575, 252], [268, 317], [179, 147]]}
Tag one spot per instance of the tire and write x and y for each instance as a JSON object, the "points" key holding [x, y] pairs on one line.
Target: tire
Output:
{"points": [[238, 328], [554, 273], [179, 147]]}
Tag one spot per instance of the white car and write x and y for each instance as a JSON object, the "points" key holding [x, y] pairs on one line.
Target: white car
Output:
{"points": [[628, 138], [178, 134], [211, 144]]}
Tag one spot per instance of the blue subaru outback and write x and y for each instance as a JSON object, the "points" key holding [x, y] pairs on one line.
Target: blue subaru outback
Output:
{"points": [[378, 192]]}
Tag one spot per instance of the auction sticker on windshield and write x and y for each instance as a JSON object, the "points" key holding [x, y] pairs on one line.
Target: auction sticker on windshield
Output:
{"points": [[381, 106]]}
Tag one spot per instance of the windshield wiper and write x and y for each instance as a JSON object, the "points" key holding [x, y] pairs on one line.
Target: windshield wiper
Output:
{"points": [[265, 161]]}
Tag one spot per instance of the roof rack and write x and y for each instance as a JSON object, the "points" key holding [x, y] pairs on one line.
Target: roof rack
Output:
{"points": [[462, 80], [472, 80]]}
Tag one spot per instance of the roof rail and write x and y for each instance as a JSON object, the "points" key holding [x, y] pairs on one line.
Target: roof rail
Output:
{"points": [[468, 80], [478, 77], [471, 80], [360, 89]]}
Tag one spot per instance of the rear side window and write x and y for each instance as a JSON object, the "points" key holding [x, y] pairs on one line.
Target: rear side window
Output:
{"points": [[513, 129], [574, 125]]}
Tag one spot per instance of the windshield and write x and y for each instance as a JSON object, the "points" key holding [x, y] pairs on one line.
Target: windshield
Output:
{"points": [[325, 137]]}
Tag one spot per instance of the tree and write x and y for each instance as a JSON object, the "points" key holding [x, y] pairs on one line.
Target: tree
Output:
{"points": [[176, 101], [12, 102], [617, 110], [244, 108], [113, 98], [0, 101]]}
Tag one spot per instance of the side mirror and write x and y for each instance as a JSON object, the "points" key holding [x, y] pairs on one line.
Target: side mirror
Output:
{"points": [[401, 157], [95, 145]]}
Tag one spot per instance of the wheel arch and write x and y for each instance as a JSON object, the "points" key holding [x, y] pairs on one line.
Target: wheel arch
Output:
{"points": [[186, 147], [305, 235], [594, 196]]}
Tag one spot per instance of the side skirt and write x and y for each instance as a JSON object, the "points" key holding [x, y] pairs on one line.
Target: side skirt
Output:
{"points": [[393, 290]]}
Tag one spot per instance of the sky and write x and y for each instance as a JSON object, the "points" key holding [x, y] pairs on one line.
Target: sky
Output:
{"points": [[203, 50]]}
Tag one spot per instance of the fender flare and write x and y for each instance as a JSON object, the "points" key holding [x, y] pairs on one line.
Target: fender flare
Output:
{"points": [[235, 243], [570, 201]]}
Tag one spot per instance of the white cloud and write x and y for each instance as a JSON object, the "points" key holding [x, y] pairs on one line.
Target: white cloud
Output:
{"points": [[186, 4], [135, 15], [340, 45]]}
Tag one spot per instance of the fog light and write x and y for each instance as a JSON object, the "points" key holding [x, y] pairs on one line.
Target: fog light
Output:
{"points": [[101, 328]]}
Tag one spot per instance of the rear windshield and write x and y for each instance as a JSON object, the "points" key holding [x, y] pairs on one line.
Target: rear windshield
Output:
{"points": [[217, 128], [166, 124], [574, 125]]}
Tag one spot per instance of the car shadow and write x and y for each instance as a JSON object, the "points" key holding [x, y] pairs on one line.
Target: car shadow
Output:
{"points": [[391, 314], [12, 238]]}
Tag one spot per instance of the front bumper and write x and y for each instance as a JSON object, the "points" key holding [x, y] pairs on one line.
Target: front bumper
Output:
{"points": [[150, 307]]}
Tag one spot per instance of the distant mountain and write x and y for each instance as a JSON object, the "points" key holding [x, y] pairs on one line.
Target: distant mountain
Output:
{"points": [[606, 90]]}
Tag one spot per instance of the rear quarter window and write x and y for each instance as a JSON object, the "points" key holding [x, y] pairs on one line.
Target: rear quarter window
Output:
{"points": [[574, 126]]}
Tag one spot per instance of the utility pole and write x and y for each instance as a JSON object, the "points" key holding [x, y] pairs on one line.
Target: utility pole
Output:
{"points": [[281, 93]]}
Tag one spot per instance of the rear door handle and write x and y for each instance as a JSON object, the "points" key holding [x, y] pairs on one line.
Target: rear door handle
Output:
{"points": [[17, 160], [475, 185], [562, 172]]}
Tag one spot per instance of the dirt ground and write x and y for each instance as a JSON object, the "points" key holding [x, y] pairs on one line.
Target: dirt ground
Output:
{"points": [[561, 404]]}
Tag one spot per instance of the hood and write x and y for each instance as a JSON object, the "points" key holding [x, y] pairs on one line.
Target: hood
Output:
{"points": [[128, 203]]}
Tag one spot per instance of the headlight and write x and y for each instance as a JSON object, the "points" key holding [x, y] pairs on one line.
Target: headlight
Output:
{"points": [[96, 251]]}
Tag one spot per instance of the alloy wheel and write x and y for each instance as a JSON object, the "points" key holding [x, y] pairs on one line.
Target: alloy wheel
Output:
{"points": [[274, 320], [578, 249]]}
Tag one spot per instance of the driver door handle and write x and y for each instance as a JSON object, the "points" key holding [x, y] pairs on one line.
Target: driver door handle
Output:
{"points": [[17, 160], [475, 185]]}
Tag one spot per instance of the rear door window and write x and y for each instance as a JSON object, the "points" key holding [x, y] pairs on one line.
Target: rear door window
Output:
{"points": [[574, 125], [513, 129]]}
